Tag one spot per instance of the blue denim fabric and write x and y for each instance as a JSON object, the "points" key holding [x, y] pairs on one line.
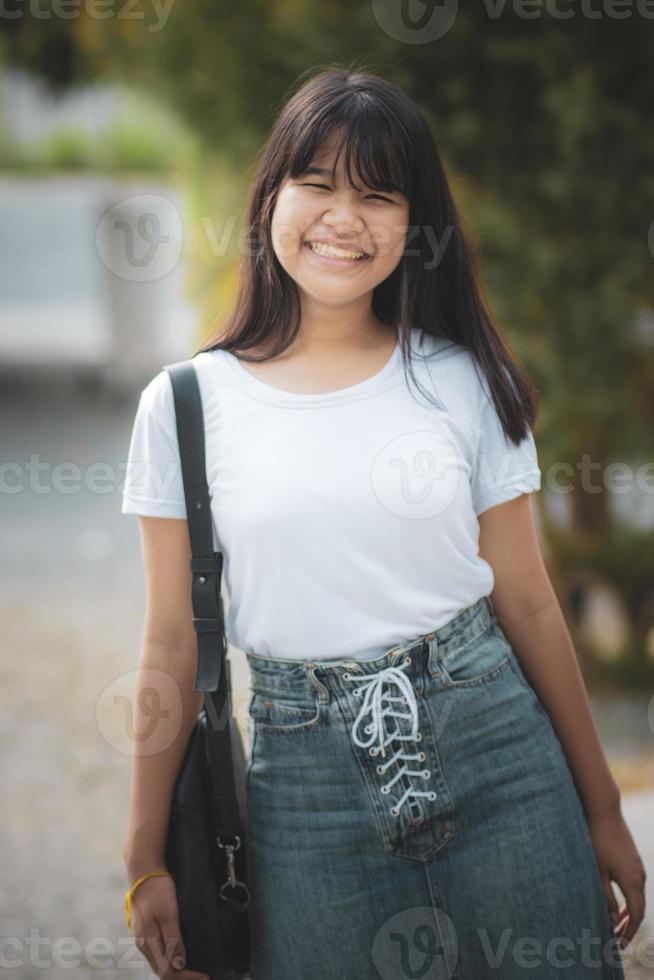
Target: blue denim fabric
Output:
{"points": [[414, 816]]}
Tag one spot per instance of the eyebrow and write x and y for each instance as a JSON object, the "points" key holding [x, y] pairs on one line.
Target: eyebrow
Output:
{"points": [[323, 172]]}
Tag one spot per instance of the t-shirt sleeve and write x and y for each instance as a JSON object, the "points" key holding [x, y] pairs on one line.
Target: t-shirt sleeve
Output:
{"points": [[502, 470], [153, 477]]}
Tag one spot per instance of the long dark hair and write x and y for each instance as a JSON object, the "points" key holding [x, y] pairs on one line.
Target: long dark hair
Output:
{"points": [[389, 145]]}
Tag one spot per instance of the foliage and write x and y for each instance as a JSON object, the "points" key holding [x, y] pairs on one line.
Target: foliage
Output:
{"points": [[141, 138]]}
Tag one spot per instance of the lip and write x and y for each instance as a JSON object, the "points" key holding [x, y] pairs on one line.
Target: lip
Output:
{"points": [[333, 260]]}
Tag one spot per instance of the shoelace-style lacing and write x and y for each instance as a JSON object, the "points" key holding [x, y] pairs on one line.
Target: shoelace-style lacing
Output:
{"points": [[375, 695]]}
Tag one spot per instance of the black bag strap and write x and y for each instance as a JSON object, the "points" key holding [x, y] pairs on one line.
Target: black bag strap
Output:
{"points": [[213, 675], [206, 564]]}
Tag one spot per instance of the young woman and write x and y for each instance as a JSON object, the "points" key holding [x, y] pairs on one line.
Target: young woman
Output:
{"points": [[427, 792]]}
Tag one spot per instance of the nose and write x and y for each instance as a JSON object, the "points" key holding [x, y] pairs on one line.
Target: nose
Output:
{"points": [[343, 217]]}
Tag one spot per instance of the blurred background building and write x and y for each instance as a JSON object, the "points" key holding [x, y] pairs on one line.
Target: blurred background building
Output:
{"points": [[69, 300]]}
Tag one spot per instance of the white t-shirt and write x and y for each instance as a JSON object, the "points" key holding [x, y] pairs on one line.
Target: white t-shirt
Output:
{"points": [[347, 520]]}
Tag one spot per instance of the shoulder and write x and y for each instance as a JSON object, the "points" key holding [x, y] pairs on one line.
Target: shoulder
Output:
{"points": [[157, 395], [429, 345], [452, 373]]}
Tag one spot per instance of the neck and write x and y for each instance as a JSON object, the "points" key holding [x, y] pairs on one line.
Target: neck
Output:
{"points": [[331, 329]]}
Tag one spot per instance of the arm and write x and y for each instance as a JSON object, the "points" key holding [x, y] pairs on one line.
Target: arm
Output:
{"points": [[167, 659], [530, 615]]}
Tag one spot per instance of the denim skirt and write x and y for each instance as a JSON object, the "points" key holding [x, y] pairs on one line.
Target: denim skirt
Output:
{"points": [[414, 816]]}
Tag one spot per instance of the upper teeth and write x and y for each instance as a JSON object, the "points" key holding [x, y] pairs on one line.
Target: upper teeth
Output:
{"points": [[340, 253]]}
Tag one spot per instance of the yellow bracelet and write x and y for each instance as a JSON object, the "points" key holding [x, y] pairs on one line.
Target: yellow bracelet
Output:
{"points": [[129, 893]]}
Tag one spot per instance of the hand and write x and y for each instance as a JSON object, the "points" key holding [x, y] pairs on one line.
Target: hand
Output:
{"points": [[619, 860], [155, 924]]}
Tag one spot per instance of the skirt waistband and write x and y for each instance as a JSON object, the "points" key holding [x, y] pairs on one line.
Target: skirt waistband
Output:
{"points": [[461, 629]]}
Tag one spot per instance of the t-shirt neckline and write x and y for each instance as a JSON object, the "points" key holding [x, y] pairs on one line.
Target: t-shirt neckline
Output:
{"points": [[384, 378]]}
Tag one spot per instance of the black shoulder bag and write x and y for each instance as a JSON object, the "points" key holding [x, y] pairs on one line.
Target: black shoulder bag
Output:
{"points": [[205, 846]]}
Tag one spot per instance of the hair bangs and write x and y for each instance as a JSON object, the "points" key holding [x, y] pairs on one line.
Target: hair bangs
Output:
{"points": [[375, 156]]}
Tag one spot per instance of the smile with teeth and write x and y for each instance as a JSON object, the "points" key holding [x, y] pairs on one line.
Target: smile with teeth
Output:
{"points": [[336, 253]]}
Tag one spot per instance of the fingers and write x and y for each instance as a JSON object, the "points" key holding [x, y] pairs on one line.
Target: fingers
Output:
{"points": [[620, 923], [157, 931], [175, 955], [150, 947], [626, 918], [173, 945], [619, 915], [610, 894], [633, 912], [154, 950]]}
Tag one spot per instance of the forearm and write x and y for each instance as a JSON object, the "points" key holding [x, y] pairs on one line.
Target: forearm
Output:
{"points": [[543, 645], [165, 710]]}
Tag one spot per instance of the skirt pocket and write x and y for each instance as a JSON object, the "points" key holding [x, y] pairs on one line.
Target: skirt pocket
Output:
{"points": [[283, 713], [479, 661]]}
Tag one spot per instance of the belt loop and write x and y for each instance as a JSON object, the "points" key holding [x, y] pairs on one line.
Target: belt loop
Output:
{"points": [[323, 692], [432, 659]]}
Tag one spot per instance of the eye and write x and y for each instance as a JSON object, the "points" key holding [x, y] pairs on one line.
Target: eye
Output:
{"points": [[325, 187]]}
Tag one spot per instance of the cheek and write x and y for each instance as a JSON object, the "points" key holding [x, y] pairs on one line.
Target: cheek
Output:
{"points": [[291, 213], [287, 228], [389, 236], [286, 241]]}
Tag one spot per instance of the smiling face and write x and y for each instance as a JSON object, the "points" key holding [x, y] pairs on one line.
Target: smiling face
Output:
{"points": [[336, 241]]}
